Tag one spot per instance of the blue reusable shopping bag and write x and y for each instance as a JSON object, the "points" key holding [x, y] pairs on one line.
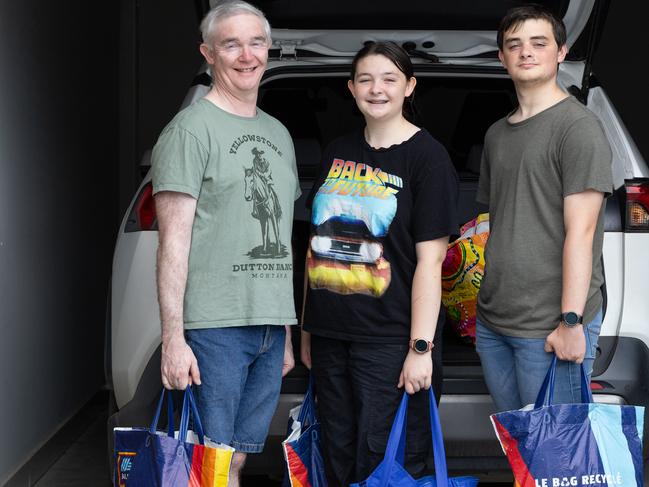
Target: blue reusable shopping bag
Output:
{"points": [[391, 472], [146, 457], [304, 463], [128, 441], [572, 445]]}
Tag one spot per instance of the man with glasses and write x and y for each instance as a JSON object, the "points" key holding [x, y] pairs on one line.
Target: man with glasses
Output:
{"points": [[224, 264]]}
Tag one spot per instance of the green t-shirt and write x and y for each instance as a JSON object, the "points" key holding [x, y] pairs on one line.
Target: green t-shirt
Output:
{"points": [[528, 168], [242, 172]]}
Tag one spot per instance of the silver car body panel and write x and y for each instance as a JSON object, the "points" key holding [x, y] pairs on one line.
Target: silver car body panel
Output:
{"points": [[447, 43]]}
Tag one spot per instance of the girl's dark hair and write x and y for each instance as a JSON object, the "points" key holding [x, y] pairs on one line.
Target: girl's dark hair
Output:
{"points": [[399, 58]]}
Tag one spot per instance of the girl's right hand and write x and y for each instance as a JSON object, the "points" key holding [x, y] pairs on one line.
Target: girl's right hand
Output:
{"points": [[305, 348]]}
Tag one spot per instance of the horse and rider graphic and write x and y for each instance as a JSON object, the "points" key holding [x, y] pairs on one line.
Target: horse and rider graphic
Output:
{"points": [[259, 189]]}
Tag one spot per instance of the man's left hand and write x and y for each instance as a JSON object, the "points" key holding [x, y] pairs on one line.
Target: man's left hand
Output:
{"points": [[567, 343], [289, 360]]}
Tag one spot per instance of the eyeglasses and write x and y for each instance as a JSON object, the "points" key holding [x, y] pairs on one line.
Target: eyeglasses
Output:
{"points": [[236, 47]]}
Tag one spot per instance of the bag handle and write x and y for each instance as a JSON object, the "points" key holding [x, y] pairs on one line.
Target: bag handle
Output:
{"points": [[396, 441], [170, 413], [395, 450], [439, 453], [190, 402], [546, 393], [307, 411]]}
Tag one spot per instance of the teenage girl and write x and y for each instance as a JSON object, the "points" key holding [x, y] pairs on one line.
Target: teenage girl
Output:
{"points": [[382, 212]]}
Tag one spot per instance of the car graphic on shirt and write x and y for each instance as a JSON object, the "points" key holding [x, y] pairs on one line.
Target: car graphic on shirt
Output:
{"points": [[346, 239], [345, 253]]}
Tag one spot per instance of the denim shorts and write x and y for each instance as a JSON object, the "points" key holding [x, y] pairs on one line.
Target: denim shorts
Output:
{"points": [[514, 368], [241, 377]]}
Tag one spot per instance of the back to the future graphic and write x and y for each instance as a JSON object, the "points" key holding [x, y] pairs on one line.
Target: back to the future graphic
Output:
{"points": [[352, 213]]}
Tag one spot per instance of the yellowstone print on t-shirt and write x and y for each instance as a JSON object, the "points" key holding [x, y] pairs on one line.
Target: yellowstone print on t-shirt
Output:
{"points": [[351, 213], [259, 189]]}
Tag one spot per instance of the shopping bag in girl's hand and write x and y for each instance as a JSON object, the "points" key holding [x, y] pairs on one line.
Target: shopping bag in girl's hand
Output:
{"points": [[462, 272], [304, 462], [391, 471]]}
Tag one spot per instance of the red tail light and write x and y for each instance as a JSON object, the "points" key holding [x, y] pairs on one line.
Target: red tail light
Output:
{"points": [[596, 386], [637, 205], [142, 216]]}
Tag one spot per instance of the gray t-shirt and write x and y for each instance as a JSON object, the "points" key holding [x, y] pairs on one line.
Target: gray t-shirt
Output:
{"points": [[242, 172], [528, 168]]}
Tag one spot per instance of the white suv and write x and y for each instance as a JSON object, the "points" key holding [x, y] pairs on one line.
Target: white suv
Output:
{"points": [[461, 90]]}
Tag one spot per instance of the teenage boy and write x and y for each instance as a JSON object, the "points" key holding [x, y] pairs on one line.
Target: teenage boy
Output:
{"points": [[545, 172]]}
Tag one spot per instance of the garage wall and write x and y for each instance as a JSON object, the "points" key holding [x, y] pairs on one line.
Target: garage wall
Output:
{"points": [[58, 213]]}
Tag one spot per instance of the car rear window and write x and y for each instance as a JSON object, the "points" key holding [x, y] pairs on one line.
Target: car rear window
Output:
{"points": [[456, 111]]}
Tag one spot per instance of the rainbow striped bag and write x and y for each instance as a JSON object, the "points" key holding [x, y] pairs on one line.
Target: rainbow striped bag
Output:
{"points": [[150, 458], [572, 445], [304, 462]]}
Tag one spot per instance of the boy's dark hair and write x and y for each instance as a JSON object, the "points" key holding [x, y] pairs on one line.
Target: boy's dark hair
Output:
{"points": [[517, 15]]}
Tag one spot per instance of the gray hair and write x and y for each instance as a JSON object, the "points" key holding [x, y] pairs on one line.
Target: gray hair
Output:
{"points": [[227, 8]]}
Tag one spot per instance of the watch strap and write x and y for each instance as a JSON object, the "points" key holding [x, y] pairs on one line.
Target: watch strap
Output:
{"points": [[570, 318], [429, 345]]}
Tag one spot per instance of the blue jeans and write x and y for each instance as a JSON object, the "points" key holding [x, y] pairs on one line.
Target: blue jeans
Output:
{"points": [[241, 377], [514, 368]]}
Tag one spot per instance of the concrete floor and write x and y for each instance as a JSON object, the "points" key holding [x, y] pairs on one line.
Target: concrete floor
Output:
{"points": [[84, 463], [75, 456]]}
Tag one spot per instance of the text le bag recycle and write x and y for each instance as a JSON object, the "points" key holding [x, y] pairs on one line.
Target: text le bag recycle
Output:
{"points": [[572, 445], [304, 462], [150, 458], [391, 472]]}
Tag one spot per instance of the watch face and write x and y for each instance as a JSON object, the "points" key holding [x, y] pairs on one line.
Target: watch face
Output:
{"points": [[571, 318], [421, 346]]}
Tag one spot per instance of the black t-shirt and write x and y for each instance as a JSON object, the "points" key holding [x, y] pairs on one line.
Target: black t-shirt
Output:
{"points": [[369, 208]]}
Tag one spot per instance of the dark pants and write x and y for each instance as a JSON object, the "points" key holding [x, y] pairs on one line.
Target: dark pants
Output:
{"points": [[357, 394]]}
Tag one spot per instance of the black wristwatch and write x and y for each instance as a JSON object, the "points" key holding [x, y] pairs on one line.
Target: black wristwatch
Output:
{"points": [[420, 345], [571, 319]]}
